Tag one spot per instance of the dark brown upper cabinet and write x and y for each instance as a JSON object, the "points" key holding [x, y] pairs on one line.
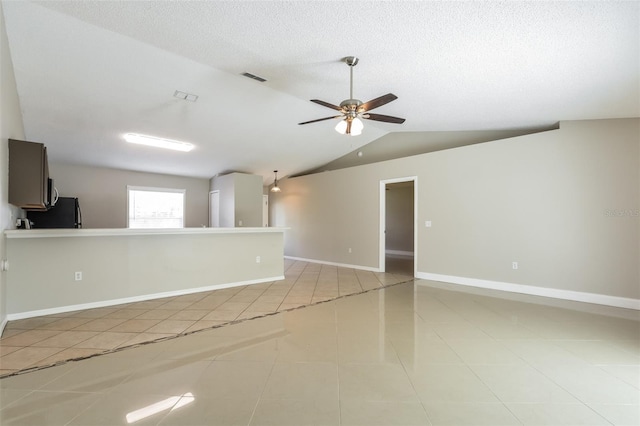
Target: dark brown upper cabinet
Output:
{"points": [[30, 186]]}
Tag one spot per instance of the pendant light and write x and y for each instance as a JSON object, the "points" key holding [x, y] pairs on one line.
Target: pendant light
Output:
{"points": [[275, 188]]}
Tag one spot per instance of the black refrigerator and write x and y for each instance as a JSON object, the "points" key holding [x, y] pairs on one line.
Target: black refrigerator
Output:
{"points": [[65, 214]]}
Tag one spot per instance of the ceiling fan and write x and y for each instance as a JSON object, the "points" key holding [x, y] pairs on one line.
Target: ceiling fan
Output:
{"points": [[352, 110]]}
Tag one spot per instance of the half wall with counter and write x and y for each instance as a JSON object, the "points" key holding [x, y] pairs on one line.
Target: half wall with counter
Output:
{"points": [[52, 271]]}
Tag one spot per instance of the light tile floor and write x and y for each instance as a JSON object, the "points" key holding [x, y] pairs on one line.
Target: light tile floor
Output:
{"points": [[42, 341], [417, 353]]}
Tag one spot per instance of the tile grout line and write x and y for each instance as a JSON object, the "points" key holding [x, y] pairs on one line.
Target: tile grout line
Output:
{"points": [[162, 339], [117, 349]]}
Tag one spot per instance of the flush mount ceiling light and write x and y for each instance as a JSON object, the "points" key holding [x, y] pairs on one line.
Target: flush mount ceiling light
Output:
{"points": [[275, 188], [158, 142], [353, 110]]}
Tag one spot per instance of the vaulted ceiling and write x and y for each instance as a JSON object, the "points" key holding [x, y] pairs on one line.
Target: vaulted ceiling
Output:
{"points": [[88, 72]]}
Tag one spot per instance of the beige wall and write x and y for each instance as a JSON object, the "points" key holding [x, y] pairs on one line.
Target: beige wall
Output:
{"points": [[249, 199], [543, 200], [240, 199], [124, 266], [102, 193], [11, 126]]}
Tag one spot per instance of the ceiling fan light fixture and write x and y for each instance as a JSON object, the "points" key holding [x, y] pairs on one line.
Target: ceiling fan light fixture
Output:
{"points": [[356, 127]]}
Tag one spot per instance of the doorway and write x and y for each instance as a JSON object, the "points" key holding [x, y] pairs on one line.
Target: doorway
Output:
{"points": [[398, 215]]}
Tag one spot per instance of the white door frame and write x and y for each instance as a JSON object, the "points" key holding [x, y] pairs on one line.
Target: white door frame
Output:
{"points": [[211, 224], [265, 210], [383, 218]]}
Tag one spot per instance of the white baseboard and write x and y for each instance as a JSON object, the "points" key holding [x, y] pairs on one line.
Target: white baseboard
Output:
{"points": [[3, 324], [112, 302], [576, 296], [399, 253], [342, 265]]}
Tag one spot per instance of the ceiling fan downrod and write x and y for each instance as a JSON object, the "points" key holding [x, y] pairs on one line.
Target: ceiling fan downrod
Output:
{"points": [[351, 105], [352, 61]]}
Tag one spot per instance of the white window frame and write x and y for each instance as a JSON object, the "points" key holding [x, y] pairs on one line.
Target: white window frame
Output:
{"points": [[156, 189]]}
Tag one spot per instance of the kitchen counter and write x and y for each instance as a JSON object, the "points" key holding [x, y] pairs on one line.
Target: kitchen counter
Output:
{"points": [[106, 232]]}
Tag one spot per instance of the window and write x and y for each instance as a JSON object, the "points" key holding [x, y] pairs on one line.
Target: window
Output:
{"points": [[155, 207]]}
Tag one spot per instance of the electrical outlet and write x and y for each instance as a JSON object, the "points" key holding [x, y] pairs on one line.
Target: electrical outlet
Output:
{"points": [[257, 259], [78, 276], [427, 223], [349, 249], [514, 265], [239, 223]]}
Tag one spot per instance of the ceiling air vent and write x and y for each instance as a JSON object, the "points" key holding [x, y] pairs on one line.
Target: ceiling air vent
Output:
{"points": [[255, 77], [185, 96]]}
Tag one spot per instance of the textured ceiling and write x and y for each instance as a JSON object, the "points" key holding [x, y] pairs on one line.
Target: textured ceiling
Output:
{"points": [[88, 72]]}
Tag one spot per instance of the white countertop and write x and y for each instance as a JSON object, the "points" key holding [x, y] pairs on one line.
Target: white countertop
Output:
{"points": [[114, 232]]}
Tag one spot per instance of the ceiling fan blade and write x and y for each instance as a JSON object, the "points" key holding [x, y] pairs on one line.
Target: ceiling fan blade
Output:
{"points": [[326, 104], [377, 102], [320, 119], [385, 118]]}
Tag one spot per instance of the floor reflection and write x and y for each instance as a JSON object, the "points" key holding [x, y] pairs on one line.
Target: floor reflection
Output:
{"points": [[399, 265], [413, 353]]}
